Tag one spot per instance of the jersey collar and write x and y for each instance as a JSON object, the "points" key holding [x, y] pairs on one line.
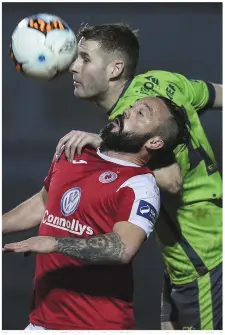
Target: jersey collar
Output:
{"points": [[122, 93], [115, 160]]}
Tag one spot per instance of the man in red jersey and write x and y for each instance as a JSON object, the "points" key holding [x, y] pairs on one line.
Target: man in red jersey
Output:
{"points": [[95, 213]]}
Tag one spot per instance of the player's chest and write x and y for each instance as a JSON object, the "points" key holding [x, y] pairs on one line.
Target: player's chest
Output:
{"points": [[84, 184]]}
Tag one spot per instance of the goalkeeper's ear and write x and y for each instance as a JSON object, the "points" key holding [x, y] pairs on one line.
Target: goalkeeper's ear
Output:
{"points": [[115, 69]]}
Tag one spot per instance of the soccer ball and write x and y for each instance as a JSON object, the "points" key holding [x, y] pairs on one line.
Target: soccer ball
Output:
{"points": [[42, 46]]}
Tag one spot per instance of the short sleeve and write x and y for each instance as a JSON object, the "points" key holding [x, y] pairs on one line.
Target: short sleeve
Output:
{"points": [[139, 202], [200, 94]]}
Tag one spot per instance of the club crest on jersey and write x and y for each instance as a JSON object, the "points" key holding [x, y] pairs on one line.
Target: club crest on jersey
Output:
{"points": [[70, 201], [107, 177]]}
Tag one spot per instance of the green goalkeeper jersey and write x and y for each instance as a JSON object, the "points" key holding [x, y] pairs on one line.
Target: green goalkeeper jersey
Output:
{"points": [[191, 244]]}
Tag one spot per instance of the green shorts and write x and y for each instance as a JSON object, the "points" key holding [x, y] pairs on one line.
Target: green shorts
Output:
{"points": [[196, 305]]}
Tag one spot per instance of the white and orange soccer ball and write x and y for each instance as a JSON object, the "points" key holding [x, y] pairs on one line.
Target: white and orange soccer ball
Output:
{"points": [[42, 46]]}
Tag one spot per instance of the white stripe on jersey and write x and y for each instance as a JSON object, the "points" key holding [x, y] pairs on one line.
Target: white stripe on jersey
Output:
{"points": [[146, 205]]}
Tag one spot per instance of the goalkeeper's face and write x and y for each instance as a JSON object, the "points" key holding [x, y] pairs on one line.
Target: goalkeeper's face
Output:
{"points": [[91, 70], [139, 127]]}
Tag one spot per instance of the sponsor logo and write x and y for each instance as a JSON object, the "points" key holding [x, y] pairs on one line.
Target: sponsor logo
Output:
{"points": [[151, 84], [170, 90], [73, 226], [147, 211], [107, 177], [70, 201]]}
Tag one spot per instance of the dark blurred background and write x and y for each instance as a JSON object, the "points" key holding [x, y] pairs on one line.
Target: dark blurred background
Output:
{"points": [[179, 37]]}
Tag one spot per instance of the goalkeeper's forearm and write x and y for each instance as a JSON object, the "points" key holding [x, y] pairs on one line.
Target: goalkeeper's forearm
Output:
{"points": [[25, 216]]}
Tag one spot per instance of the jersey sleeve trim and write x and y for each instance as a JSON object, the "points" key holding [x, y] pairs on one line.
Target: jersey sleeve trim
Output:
{"points": [[122, 93], [212, 95]]}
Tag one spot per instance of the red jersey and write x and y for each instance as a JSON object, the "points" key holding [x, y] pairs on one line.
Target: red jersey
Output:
{"points": [[86, 198]]}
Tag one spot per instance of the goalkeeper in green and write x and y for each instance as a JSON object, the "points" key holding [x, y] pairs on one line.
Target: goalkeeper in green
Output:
{"points": [[104, 73]]}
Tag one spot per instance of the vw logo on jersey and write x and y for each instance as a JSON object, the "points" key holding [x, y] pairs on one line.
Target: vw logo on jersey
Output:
{"points": [[107, 177], [70, 201]]}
